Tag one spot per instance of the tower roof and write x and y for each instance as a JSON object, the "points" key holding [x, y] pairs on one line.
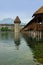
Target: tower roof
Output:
{"points": [[17, 20], [39, 11]]}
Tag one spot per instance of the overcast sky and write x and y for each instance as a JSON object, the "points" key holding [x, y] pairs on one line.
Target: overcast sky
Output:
{"points": [[22, 8]]}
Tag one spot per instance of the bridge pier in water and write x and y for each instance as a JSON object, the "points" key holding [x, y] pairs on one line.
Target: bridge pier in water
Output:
{"points": [[35, 34]]}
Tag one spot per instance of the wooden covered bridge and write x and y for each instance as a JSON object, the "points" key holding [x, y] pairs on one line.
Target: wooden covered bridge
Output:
{"points": [[36, 24]]}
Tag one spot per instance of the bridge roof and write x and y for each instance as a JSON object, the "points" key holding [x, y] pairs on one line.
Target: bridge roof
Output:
{"points": [[39, 11], [30, 22]]}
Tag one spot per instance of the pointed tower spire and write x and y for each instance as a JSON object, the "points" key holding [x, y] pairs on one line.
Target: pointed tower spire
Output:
{"points": [[17, 20]]}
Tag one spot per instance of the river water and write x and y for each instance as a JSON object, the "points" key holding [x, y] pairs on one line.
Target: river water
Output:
{"points": [[21, 51]]}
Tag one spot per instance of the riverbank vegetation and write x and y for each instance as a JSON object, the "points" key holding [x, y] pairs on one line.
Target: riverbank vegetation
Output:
{"points": [[5, 29]]}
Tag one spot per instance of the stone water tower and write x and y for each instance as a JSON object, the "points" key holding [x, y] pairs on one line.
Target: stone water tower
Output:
{"points": [[17, 30], [17, 24]]}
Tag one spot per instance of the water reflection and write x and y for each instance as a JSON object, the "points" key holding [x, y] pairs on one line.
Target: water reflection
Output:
{"points": [[4, 35], [36, 46], [6, 39], [17, 39], [26, 45]]}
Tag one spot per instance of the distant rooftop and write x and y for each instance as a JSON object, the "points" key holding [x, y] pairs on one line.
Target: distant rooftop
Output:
{"points": [[17, 20], [39, 11]]}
